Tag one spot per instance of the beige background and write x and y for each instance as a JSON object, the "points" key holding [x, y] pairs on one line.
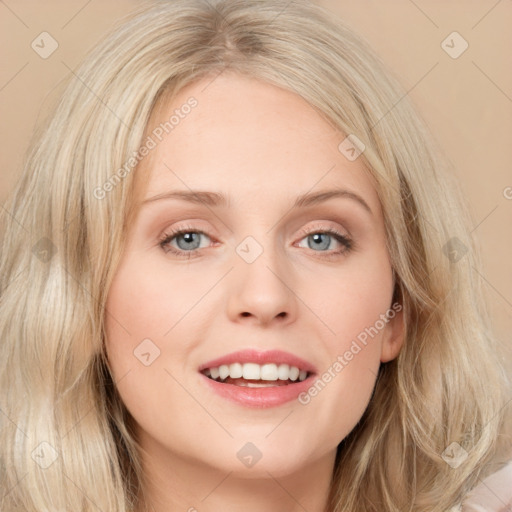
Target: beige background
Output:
{"points": [[467, 101]]}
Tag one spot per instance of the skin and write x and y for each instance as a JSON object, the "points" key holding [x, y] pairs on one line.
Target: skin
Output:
{"points": [[261, 146]]}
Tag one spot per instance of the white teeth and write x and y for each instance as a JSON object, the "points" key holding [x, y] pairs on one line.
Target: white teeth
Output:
{"points": [[269, 372], [283, 371], [235, 371], [294, 373], [223, 371], [253, 371]]}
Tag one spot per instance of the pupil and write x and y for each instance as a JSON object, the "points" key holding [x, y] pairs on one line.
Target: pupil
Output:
{"points": [[318, 241], [188, 238]]}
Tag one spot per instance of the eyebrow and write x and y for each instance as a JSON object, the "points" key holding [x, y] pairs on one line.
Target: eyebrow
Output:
{"points": [[216, 199]]}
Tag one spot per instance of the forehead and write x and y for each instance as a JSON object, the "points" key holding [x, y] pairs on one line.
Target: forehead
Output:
{"points": [[250, 140]]}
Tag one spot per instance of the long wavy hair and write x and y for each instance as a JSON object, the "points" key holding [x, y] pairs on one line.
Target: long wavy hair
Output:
{"points": [[66, 439]]}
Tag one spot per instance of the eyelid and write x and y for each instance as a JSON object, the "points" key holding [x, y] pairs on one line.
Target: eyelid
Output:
{"points": [[316, 226], [173, 232], [185, 226], [321, 226]]}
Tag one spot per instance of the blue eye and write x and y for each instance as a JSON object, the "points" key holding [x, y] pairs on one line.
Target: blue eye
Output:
{"points": [[188, 242], [322, 240]]}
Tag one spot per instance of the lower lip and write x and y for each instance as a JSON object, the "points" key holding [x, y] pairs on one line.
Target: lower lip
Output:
{"points": [[261, 398]]}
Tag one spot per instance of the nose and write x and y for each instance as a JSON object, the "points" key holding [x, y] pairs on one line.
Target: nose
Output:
{"points": [[262, 292]]}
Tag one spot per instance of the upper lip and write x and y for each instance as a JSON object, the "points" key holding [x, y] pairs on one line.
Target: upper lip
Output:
{"points": [[260, 357]]}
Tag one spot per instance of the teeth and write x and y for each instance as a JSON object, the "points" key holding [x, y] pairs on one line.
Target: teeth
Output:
{"points": [[253, 371], [256, 385], [283, 372], [223, 371], [235, 370], [269, 372], [294, 373]]}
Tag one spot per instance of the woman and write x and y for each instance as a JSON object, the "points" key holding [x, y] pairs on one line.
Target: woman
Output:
{"points": [[266, 368]]}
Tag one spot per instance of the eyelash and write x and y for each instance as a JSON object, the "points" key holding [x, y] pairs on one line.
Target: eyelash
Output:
{"points": [[169, 236]]}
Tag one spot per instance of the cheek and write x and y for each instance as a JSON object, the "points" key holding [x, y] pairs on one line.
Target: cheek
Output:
{"points": [[151, 326], [352, 298], [352, 305], [142, 308], [145, 303]]}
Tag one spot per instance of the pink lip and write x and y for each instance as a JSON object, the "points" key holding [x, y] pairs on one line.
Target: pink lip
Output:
{"points": [[254, 356], [259, 397]]}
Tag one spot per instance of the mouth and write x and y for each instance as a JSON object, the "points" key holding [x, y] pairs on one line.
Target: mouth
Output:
{"points": [[258, 379], [254, 375]]}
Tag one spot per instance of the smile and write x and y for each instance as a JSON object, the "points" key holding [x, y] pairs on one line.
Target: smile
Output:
{"points": [[258, 379], [256, 375]]}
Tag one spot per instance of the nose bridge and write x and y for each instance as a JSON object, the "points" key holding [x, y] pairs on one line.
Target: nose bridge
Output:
{"points": [[260, 285]]}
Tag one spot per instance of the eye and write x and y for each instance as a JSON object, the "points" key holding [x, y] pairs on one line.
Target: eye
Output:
{"points": [[321, 240], [188, 241]]}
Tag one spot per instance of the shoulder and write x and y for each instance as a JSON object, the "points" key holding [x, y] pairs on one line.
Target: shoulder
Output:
{"points": [[493, 494]]}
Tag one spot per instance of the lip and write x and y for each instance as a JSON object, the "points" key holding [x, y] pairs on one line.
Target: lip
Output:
{"points": [[259, 397]]}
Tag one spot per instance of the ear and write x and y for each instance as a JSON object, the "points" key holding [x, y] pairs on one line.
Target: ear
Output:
{"points": [[393, 337]]}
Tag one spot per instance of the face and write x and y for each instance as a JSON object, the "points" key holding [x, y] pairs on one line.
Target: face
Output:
{"points": [[248, 282]]}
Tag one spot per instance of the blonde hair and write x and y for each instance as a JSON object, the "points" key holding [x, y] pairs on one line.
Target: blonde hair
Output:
{"points": [[63, 242]]}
